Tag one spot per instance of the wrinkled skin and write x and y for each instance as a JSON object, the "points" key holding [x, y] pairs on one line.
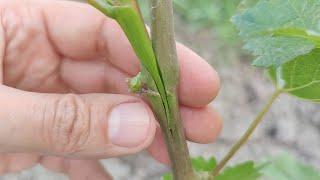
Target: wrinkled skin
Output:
{"points": [[63, 47]]}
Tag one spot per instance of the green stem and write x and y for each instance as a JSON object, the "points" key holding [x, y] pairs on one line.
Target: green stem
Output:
{"points": [[248, 133], [159, 75], [127, 14], [164, 46]]}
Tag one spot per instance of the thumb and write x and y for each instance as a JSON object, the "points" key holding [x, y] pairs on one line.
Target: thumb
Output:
{"points": [[93, 125]]}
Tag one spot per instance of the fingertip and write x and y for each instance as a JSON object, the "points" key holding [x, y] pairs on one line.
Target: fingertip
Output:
{"points": [[202, 125], [199, 82]]}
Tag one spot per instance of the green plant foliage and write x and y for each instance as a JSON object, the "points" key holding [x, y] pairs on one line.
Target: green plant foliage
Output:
{"points": [[213, 15], [201, 164], [210, 14], [201, 13], [246, 170], [285, 167], [167, 176], [300, 77], [246, 4], [277, 50], [135, 84], [278, 31], [282, 167]]}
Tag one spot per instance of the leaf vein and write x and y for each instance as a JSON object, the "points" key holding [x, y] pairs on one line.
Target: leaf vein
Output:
{"points": [[302, 86]]}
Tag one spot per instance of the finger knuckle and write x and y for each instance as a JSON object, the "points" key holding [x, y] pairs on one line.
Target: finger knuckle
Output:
{"points": [[70, 125], [21, 27], [17, 25]]}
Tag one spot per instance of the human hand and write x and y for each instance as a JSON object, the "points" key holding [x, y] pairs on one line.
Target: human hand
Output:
{"points": [[54, 55]]}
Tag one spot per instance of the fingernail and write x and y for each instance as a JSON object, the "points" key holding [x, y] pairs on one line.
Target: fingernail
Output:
{"points": [[129, 124]]}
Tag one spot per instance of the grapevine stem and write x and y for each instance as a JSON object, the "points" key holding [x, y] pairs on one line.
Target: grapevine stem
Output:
{"points": [[162, 31], [244, 138]]}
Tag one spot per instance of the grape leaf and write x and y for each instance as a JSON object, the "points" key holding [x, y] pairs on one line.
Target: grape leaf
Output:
{"points": [[274, 50], [244, 4], [285, 167], [201, 164], [300, 77], [203, 167], [246, 170], [277, 31]]}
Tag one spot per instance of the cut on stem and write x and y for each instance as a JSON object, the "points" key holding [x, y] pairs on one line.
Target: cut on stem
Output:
{"points": [[164, 45]]}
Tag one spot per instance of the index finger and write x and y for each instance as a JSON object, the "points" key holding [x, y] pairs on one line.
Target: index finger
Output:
{"points": [[80, 32]]}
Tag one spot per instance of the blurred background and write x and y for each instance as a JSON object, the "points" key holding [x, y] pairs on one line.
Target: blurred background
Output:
{"points": [[291, 126]]}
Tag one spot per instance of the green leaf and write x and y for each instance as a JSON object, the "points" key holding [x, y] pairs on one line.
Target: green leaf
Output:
{"points": [[246, 170], [277, 50], [277, 31], [285, 167], [167, 176], [246, 4], [204, 167], [300, 77], [201, 164]]}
